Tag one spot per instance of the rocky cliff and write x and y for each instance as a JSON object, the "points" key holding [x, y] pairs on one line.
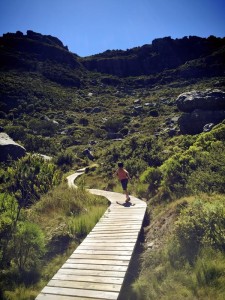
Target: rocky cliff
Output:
{"points": [[163, 54], [39, 53]]}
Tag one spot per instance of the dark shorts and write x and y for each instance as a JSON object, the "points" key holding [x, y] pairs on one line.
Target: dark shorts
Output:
{"points": [[124, 183]]}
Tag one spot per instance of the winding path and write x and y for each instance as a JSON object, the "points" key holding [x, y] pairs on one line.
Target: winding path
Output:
{"points": [[97, 268]]}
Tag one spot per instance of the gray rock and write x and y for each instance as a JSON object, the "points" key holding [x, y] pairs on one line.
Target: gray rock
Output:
{"points": [[9, 148], [138, 108], [137, 101], [153, 113], [150, 245], [201, 108], [208, 127], [206, 100], [88, 153], [96, 110], [174, 119]]}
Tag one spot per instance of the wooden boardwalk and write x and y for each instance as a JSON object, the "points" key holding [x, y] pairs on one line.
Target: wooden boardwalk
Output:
{"points": [[97, 268]]}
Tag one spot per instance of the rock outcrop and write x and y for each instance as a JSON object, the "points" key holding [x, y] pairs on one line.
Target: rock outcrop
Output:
{"points": [[208, 100], [10, 149], [44, 54], [200, 108], [163, 54]]}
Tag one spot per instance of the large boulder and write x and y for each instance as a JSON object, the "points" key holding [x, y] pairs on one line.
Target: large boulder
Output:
{"points": [[9, 148], [206, 100], [194, 122], [200, 108]]}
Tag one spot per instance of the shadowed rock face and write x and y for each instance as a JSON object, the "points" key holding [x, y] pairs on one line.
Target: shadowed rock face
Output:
{"points": [[163, 54], [200, 108], [8, 148]]}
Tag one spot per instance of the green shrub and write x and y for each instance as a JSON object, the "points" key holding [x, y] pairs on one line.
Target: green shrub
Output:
{"points": [[43, 127], [208, 175], [65, 158], [113, 125], [201, 224], [207, 269], [44, 145], [152, 176], [27, 246], [9, 215], [30, 177], [15, 132], [190, 263]]}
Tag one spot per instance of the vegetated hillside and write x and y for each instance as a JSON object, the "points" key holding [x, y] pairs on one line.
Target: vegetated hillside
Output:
{"points": [[122, 105], [54, 95]]}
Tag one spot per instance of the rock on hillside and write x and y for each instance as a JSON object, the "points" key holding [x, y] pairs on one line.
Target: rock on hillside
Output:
{"points": [[9, 148], [200, 108], [207, 100]]}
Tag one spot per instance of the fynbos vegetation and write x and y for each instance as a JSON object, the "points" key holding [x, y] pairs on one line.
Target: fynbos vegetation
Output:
{"points": [[96, 111]]}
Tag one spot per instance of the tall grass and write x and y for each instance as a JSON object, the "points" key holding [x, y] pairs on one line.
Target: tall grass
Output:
{"points": [[205, 280], [21, 293], [65, 215], [80, 226]]}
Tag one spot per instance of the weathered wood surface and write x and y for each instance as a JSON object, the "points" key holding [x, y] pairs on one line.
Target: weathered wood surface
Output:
{"points": [[96, 269]]}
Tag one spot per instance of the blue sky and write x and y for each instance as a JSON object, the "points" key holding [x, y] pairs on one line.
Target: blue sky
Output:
{"points": [[92, 26]]}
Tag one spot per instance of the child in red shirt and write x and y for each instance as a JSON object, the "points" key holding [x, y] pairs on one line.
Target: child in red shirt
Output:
{"points": [[123, 176]]}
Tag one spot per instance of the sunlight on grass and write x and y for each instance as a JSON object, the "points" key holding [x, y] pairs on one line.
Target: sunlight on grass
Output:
{"points": [[80, 226]]}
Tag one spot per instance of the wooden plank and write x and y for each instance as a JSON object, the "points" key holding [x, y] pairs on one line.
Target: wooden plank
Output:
{"points": [[98, 256], [114, 230], [85, 285], [92, 272], [111, 238], [100, 247], [113, 234], [78, 292], [117, 252], [124, 217], [121, 221], [108, 243], [122, 228], [97, 240], [120, 214], [117, 227], [118, 223], [61, 297], [96, 262], [96, 267], [88, 278]]}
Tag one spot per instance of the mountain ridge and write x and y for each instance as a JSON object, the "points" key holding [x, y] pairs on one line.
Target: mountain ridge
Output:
{"points": [[163, 54]]}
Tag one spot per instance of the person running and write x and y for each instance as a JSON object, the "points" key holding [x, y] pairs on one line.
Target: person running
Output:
{"points": [[123, 177]]}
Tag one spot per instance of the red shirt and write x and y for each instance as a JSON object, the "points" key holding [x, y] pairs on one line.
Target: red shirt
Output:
{"points": [[122, 174]]}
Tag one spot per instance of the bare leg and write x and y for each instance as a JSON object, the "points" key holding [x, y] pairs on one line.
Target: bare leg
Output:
{"points": [[127, 195]]}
